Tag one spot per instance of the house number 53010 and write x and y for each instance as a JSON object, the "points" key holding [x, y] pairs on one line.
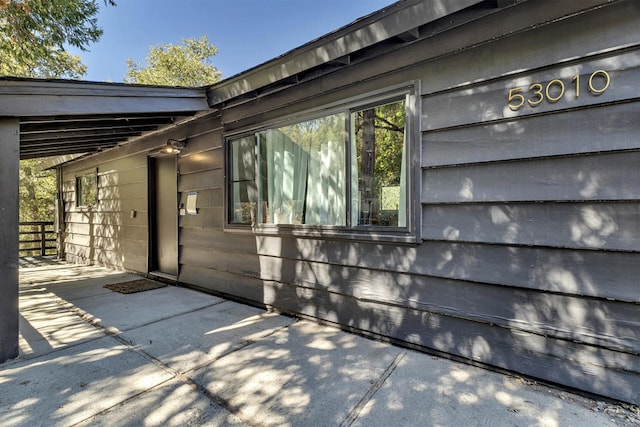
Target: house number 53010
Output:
{"points": [[598, 82]]}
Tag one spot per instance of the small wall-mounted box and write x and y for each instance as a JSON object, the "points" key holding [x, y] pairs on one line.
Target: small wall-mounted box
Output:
{"points": [[192, 201]]}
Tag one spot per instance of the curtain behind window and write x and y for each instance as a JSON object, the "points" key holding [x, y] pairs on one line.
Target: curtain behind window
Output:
{"points": [[326, 183], [284, 180], [303, 173]]}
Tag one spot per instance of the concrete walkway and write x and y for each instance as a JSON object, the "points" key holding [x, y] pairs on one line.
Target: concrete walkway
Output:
{"points": [[177, 357]]}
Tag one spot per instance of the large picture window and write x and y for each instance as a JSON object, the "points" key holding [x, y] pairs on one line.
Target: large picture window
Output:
{"points": [[344, 169]]}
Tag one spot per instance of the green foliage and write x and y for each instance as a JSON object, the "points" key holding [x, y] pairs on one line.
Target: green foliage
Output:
{"points": [[87, 190], [33, 35], [57, 65], [313, 135], [186, 64], [389, 124], [37, 192]]}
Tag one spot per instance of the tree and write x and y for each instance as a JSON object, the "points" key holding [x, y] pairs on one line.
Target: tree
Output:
{"points": [[37, 199], [34, 33], [37, 191], [186, 64], [380, 142], [379, 133]]}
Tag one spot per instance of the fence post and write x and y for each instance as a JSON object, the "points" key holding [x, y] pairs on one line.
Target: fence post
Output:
{"points": [[43, 241]]}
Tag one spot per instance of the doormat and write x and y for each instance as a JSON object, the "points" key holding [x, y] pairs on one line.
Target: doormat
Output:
{"points": [[133, 286]]}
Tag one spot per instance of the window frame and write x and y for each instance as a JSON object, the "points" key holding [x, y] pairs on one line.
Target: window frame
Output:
{"points": [[409, 234], [79, 179]]}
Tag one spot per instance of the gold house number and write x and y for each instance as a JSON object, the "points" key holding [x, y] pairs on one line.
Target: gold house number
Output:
{"points": [[553, 92]]}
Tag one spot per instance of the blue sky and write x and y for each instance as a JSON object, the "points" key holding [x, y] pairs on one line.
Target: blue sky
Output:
{"points": [[246, 32]]}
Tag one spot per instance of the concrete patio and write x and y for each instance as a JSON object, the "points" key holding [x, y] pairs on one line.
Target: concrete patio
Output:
{"points": [[175, 356]]}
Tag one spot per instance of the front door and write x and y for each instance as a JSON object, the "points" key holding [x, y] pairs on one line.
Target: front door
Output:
{"points": [[164, 215]]}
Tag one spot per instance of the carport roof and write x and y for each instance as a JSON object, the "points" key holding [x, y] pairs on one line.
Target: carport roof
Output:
{"points": [[64, 117]]}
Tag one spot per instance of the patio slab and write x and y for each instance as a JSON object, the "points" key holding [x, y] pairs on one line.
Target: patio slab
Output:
{"points": [[174, 404], [308, 374], [452, 394], [45, 326], [211, 333], [87, 287], [58, 271], [70, 385], [175, 356], [121, 312]]}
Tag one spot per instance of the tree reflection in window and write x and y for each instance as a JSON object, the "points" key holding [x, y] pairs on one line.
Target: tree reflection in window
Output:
{"points": [[86, 190], [378, 165]]}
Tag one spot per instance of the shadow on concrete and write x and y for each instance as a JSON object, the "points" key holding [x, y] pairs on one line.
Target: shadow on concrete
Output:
{"points": [[175, 356]]}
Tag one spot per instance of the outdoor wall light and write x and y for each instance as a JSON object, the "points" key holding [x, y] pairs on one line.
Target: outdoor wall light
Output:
{"points": [[173, 146]]}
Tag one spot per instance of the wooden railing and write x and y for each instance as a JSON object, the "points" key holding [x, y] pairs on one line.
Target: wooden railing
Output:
{"points": [[37, 238]]}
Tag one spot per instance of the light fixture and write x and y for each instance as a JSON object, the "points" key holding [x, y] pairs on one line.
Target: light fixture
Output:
{"points": [[173, 146]]}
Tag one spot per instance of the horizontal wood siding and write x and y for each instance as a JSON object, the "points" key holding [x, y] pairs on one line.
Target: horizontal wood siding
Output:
{"points": [[109, 234], [588, 177], [210, 259], [529, 255], [529, 218], [610, 226], [559, 180], [576, 272], [599, 129]]}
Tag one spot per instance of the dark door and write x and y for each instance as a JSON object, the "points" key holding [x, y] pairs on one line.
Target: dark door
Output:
{"points": [[164, 215]]}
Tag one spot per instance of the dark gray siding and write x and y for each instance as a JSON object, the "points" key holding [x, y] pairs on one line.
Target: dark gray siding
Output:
{"points": [[561, 181], [529, 218], [203, 245], [108, 234], [525, 204], [529, 257]]}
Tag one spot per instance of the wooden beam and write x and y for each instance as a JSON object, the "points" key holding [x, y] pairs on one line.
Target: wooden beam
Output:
{"points": [[60, 150], [82, 135], [92, 118], [409, 36], [31, 97], [53, 162], [9, 167], [84, 142], [56, 126], [40, 154]]}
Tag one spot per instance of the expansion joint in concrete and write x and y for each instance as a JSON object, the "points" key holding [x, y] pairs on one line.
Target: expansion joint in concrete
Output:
{"points": [[355, 412]]}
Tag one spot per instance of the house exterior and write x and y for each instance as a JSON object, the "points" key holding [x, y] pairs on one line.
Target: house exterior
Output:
{"points": [[461, 177]]}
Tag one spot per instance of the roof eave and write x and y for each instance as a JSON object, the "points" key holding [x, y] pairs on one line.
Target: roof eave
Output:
{"points": [[394, 21]]}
